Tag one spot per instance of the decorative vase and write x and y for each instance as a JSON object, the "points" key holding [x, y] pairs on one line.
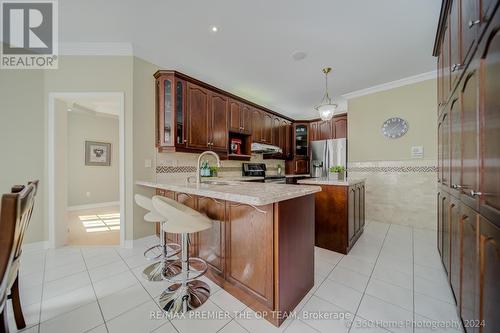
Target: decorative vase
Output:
{"points": [[341, 176]]}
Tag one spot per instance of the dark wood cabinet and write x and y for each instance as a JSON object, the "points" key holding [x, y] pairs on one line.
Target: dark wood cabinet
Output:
{"points": [[488, 300], [235, 116], [468, 230], [212, 241], [336, 128], [250, 229], [197, 117], [170, 112], [444, 128], [470, 270], [470, 126], [489, 115], [455, 146], [455, 42], [470, 21], [324, 130], [267, 128], [257, 125], [277, 132], [218, 129], [339, 127], [446, 227], [240, 117], [340, 216], [455, 243]]}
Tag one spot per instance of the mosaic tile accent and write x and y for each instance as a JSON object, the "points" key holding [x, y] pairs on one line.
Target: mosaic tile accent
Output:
{"points": [[408, 168], [176, 169], [190, 169]]}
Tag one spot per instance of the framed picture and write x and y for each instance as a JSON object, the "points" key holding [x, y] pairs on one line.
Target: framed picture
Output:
{"points": [[97, 153]]}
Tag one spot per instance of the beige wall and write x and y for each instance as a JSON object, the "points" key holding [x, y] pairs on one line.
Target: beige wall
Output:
{"points": [[22, 133], [24, 115], [416, 103], [101, 182], [144, 137], [399, 189]]}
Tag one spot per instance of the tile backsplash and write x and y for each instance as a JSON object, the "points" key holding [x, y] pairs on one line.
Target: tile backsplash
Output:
{"points": [[182, 165], [400, 192]]}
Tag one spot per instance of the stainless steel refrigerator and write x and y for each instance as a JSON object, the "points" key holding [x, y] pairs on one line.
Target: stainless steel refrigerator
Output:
{"points": [[327, 153]]}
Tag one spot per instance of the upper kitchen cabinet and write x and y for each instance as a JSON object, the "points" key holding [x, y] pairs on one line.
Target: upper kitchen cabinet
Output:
{"points": [[336, 128], [170, 97], [339, 127], [301, 139], [198, 119], [470, 126], [455, 42], [257, 125], [489, 115], [267, 129], [240, 117], [218, 125], [470, 21]]}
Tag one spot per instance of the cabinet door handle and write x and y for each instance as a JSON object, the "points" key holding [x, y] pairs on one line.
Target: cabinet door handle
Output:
{"points": [[473, 23], [475, 194], [456, 186], [456, 67]]}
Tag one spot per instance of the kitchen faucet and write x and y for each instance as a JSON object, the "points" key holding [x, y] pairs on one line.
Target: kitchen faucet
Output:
{"points": [[198, 177]]}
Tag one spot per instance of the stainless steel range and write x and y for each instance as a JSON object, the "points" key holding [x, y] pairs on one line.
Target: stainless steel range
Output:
{"points": [[259, 170]]}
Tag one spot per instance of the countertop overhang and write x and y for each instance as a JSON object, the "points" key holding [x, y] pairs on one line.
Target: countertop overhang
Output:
{"points": [[326, 181], [256, 194]]}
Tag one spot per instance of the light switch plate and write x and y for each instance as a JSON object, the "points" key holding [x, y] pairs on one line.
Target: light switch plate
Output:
{"points": [[417, 151], [147, 163]]}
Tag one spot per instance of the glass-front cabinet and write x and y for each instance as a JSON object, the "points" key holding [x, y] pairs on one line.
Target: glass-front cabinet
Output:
{"points": [[170, 131], [301, 143]]}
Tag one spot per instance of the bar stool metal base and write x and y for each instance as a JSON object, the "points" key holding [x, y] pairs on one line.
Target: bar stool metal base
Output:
{"points": [[178, 299], [196, 267], [155, 272]]}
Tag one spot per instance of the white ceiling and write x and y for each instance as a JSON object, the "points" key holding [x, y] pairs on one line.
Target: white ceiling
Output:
{"points": [[93, 104], [367, 42]]}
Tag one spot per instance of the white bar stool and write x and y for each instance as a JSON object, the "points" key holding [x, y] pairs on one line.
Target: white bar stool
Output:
{"points": [[161, 252], [186, 293]]}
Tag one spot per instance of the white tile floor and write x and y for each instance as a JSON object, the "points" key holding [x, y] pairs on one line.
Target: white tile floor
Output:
{"points": [[392, 274]]}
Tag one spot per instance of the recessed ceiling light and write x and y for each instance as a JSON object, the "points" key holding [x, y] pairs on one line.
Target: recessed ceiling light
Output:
{"points": [[299, 55], [215, 29]]}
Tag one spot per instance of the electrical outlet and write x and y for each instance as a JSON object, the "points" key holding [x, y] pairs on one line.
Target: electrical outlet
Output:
{"points": [[87, 194], [147, 163], [417, 152]]}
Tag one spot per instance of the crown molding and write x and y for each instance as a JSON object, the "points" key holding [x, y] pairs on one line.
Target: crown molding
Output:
{"points": [[97, 49], [393, 84]]}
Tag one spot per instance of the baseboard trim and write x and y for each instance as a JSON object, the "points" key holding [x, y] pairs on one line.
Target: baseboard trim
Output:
{"points": [[35, 246], [95, 205]]}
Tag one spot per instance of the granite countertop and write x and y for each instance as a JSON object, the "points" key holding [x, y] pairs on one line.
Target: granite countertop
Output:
{"points": [[326, 181], [257, 194], [297, 176]]}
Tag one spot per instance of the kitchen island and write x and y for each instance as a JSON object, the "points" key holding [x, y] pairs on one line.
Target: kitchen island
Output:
{"points": [[261, 246], [340, 212]]}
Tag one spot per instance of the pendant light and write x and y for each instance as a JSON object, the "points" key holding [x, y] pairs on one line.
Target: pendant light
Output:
{"points": [[326, 108]]}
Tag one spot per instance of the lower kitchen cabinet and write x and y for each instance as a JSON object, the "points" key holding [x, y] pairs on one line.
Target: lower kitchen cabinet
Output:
{"points": [[489, 273], [211, 242], [470, 250], [252, 251], [340, 216]]}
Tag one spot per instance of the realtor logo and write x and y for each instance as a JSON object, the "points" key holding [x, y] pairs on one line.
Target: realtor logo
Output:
{"points": [[29, 34]]}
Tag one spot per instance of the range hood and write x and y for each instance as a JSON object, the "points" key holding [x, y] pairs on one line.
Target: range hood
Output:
{"points": [[262, 148]]}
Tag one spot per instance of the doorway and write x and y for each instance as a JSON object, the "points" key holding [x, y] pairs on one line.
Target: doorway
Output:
{"points": [[86, 169]]}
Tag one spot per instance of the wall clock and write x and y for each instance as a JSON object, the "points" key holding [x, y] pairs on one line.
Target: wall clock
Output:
{"points": [[394, 128]]}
